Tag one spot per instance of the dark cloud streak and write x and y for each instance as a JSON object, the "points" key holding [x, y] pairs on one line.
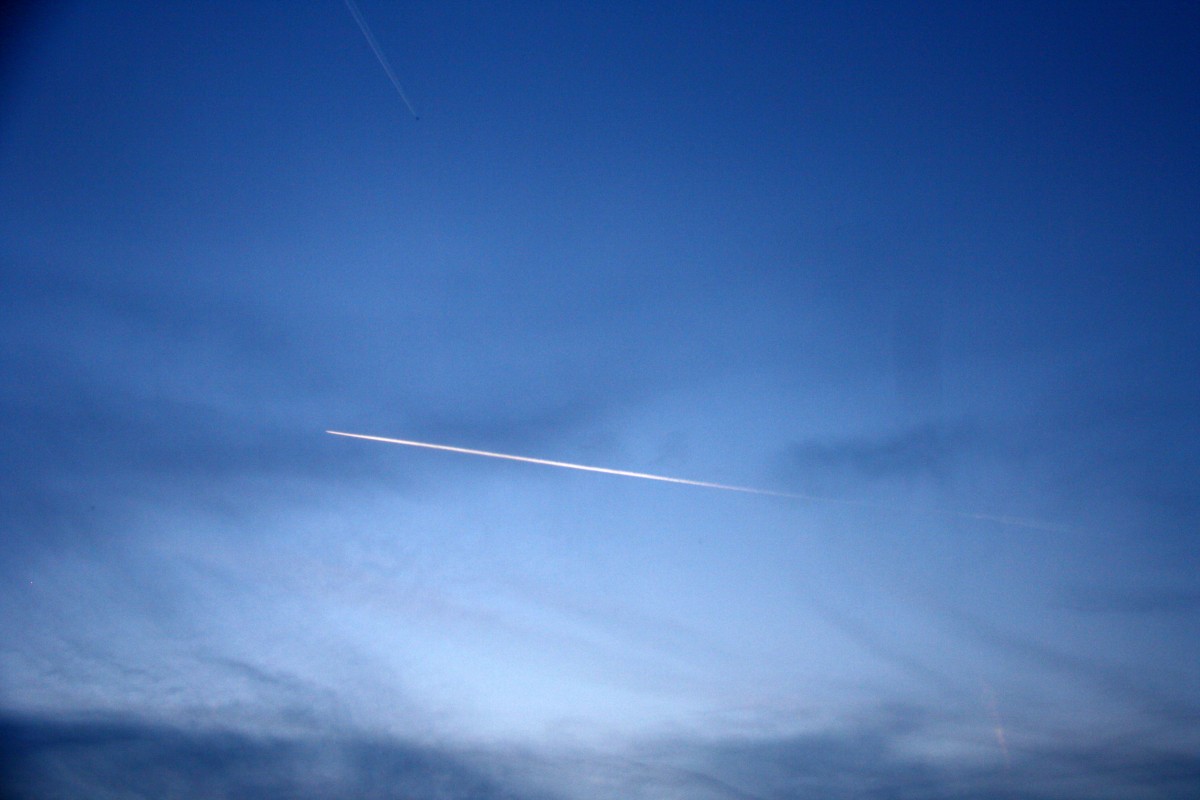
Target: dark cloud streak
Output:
{"points": [[44, 758]]}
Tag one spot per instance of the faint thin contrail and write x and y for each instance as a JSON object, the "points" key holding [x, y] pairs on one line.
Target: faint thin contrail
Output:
{"points": [[383, 62], [1023, 523]]}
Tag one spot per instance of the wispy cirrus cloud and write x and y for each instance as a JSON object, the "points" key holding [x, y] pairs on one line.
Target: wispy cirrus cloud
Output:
{"points": [[930, 450]]}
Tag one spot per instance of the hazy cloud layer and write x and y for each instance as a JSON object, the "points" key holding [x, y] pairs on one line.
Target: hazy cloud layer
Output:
{"points": [[52, 758]]}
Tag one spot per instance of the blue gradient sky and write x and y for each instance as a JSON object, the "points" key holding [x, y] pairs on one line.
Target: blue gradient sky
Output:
{"points": [[935, 262]]}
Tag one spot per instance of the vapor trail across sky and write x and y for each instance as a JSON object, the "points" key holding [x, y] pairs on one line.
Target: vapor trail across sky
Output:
{"points": [[1004, 520], [566, 465], [383, 62]]}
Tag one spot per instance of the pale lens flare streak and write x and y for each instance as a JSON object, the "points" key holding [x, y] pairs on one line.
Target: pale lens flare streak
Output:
{"points": [[1016, 521], [989, 699]]}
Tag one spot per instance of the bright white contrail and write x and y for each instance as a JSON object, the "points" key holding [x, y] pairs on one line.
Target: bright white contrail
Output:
{"points": [[1019, 522], [545, 462], [383, 62]]}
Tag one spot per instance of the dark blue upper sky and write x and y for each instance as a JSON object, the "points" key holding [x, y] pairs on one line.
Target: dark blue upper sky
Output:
{"points": [[932, 263]]}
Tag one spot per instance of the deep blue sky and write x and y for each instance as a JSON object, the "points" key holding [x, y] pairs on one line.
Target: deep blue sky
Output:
{"points": [[935, 263]]}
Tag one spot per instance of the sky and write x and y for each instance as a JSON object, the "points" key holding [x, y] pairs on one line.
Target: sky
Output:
{"points": [[930, 268]]}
